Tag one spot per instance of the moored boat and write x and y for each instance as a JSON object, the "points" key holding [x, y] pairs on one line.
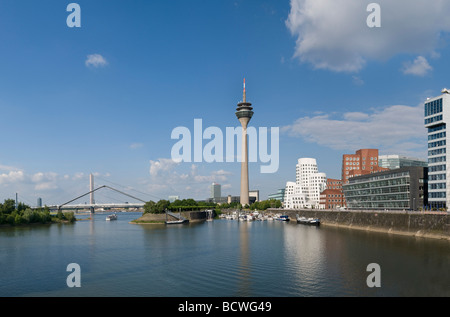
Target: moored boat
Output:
{"points": [[175, 222], [283, 218], [308, 221], [111, 217]]}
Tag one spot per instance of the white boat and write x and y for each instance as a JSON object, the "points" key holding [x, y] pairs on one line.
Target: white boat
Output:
{"points": [[283, 218], [175, 222], [111, 217], [308, 221]]}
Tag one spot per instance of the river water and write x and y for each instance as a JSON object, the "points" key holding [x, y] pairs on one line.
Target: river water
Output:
{"points": [[221, 258]]}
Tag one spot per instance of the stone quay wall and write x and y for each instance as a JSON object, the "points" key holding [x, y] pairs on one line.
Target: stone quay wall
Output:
{"points": [[420, 224]]}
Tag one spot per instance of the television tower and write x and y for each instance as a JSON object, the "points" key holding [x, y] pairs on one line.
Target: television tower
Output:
{"points": [[244, 113]]}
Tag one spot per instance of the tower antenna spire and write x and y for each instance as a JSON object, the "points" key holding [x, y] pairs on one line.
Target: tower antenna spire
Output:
{"points": [[244, 91]]}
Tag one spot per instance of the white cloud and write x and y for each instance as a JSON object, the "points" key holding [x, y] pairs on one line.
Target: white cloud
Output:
{"points": [[355, 116], [398, 129], [8, 168], [12, 177], [419, 67], [95, 60], [161, 165], [44, 177], [357, 81], [334, 34], [169, 177], [134, 146], [78, 175]]}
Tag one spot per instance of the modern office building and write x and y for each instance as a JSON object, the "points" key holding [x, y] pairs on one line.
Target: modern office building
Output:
{"points": [[253, 195], [279, 195], [437, 114], [400, 189], [396, 161], [309, 183], [364, 161], [39, 202], [173, 198], [216, 191]]}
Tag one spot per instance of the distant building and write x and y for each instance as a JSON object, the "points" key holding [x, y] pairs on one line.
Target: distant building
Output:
{"points": [[279, 195], [400, 189], [364, 161], [397, 161], [309, 183], [332, 199], [230, 199], [253, 195], [233, 199], [334, 183], [39, 202], [216, 191], [333, 196]]}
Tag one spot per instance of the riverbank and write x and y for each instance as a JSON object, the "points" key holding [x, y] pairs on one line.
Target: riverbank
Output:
{"points": [[416, 224]]}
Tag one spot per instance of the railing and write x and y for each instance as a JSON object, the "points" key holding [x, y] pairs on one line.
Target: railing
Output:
{"points": [[179, 216]]}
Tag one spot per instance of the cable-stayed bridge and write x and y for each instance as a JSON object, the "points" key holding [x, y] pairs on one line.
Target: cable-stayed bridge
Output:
{"points": [[92, 205]]}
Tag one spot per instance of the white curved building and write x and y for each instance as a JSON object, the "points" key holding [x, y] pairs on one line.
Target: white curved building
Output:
{"points": [[309, 183]]}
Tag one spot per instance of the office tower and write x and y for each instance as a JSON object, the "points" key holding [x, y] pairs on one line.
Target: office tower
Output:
{"points": [[216, 192], [437, 113]]}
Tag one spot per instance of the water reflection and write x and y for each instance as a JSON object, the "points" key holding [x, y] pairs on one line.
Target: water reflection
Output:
{"points": [[244, 265], [220, 258], [304, 253]]}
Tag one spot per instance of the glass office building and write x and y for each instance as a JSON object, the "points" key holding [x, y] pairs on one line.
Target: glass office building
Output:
{"points": [[437, 113], [400, 189], [279, 195], [397, 161]]}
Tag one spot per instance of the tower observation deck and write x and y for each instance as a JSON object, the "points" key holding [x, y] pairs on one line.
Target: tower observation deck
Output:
{"points": [[244, 108]]}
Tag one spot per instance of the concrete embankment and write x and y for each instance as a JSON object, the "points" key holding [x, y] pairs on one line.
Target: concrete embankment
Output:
{"points": [[148, 218], [428, 225]]}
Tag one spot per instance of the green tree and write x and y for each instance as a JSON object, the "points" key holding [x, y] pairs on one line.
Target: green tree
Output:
{"points": [[70, 217], [60, 215], [10, 219], [18, 219], [162, 205], [150, 207], [8, 206]]}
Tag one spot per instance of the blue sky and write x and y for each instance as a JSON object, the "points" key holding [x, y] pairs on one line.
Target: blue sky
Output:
{"points": [[313, 68]]}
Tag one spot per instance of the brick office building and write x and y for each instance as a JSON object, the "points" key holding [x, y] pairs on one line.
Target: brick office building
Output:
{"points": [[363, 162]]}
